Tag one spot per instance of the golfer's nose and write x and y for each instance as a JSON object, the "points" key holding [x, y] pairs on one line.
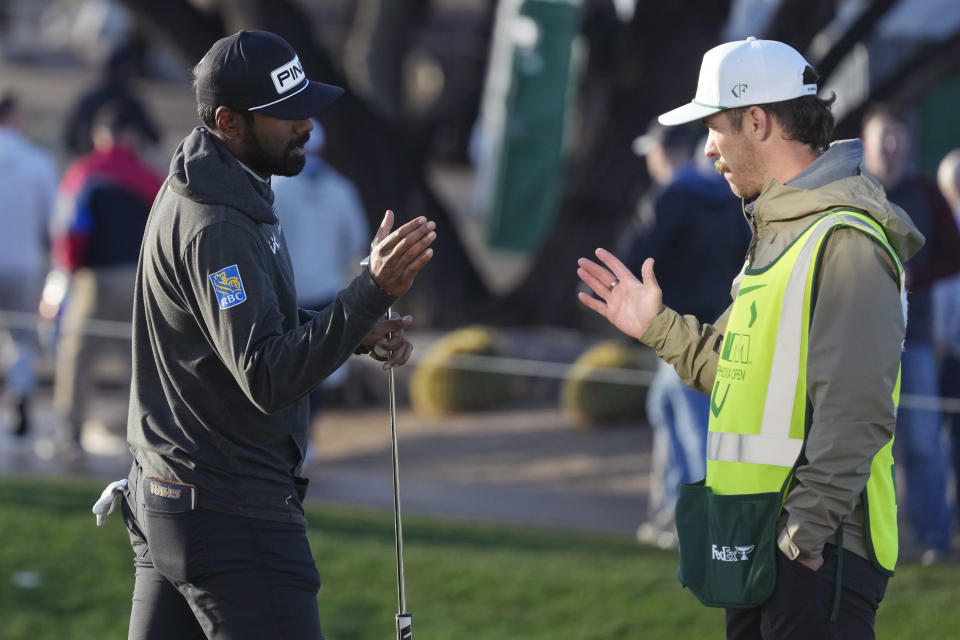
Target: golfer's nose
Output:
{"points": [[301, 127]]}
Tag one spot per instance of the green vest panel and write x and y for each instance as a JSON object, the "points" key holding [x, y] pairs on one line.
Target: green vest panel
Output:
{"points": [[758, 407]]}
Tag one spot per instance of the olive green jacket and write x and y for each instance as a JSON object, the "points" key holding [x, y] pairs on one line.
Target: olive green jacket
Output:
{"points": [[856, 336]]}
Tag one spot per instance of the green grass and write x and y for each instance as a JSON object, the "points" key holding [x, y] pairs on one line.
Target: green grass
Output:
{"points": [[463, 581]]}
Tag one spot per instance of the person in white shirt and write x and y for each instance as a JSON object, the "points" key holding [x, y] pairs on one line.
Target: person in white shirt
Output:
{"points": [[28, 185], [326, 230]]}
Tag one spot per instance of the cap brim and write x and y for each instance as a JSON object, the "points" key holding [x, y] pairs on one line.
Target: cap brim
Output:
{"points": [[306, 103], [687, 113]]}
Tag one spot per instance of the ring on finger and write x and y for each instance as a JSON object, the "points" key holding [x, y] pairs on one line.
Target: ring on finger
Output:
{"points": [[613, 284]]}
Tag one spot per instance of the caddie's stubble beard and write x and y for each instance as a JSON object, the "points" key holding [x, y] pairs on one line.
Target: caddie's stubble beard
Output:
{"points": [[285, 163], [744, 182]]}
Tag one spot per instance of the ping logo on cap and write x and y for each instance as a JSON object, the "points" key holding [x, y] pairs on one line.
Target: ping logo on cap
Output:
{"points": [[287, 76]]}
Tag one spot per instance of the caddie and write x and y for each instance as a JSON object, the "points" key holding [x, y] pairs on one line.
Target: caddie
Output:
{"points": [[223, 360], [794, 528]]}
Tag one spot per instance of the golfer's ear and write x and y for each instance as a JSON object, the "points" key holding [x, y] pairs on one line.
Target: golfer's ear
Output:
{"points": [[229, 123]]}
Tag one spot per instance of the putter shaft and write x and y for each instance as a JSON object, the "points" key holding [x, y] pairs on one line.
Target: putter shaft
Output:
{"points": [[397, 520], [403, 619]]}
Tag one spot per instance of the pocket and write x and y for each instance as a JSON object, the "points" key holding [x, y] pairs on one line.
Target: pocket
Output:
{"points": [[300, 485], [799, 566], [727, 545], [138, 542], [177, 544]]}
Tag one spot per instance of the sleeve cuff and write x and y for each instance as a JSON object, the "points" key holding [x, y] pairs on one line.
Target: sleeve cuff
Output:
{"points": [[787, 546], [365, 298], [790, 549], [656, 333]]}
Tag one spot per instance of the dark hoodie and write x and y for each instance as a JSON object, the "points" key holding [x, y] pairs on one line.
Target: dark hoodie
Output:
{"points": [[222, 356]]}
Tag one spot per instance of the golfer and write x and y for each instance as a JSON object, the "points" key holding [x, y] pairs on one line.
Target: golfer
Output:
{"points": [[223, 360], [802, 368]]}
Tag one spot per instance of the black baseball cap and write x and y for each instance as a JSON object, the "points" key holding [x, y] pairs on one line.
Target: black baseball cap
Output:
{"points": [[259, 71]]}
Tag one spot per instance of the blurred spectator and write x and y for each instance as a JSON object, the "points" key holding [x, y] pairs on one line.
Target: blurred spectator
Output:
{"points": [[684, 222], [101, 211], [886, 150], [326, 231], [114, 89], [946, 320], [28, 182]]}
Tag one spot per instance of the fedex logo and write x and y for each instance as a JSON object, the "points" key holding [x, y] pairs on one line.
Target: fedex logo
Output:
{"points": [[287, 76], [736, 554]]}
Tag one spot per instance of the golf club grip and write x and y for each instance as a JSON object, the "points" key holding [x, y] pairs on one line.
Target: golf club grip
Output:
{"points": [[404, 626]]}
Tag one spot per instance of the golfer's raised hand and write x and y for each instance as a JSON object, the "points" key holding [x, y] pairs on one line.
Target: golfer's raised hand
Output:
{"points": [[628, 303], [387, 342], [397, 256]]}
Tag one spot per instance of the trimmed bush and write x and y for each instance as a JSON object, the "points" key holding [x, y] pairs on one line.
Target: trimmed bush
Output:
{"points": [[438, 388], [588, 399]]}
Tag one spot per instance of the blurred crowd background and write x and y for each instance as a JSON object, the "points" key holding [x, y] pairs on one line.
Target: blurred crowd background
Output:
{"points": [[524, 128]]}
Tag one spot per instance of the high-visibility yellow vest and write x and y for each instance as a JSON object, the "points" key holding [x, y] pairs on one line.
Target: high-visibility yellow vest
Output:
{"points": [[759, 408]]}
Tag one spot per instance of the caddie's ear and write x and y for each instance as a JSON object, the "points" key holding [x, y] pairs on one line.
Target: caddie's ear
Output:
{"points": [[230, 124], [758, 122]]}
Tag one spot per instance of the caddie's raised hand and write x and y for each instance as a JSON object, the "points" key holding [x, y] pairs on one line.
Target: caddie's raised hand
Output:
{"points": [[387, 342], [397, 256], [628, 303]]}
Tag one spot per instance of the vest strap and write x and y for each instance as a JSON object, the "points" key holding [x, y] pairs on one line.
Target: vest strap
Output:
{"points": [[838, 578], [785, 368], [754, 449], [773, 446]]}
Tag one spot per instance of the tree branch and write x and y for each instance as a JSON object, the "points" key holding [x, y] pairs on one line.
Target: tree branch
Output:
{"points": [[909, 81], [796, 22], [861, 28], [177, 23]]}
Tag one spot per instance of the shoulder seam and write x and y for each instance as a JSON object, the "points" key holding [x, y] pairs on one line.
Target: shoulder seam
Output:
{"points": [[205, 227]]}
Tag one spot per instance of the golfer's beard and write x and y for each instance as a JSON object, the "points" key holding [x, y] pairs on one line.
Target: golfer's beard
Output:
{"points": [[266, 163]]}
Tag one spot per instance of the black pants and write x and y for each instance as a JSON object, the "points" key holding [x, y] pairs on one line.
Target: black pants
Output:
{"points": [[203, 574], [802, 602]]}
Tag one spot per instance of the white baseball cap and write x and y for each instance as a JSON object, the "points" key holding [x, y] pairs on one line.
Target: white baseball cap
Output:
{"points": [[742, 73]]}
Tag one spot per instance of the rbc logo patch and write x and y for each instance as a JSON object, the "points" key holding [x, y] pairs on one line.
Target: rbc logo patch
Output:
{"points": [[229, 287]]}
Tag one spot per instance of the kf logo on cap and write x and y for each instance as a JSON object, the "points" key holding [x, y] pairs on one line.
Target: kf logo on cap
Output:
{"points": [[738, 90], [287, 76]]}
